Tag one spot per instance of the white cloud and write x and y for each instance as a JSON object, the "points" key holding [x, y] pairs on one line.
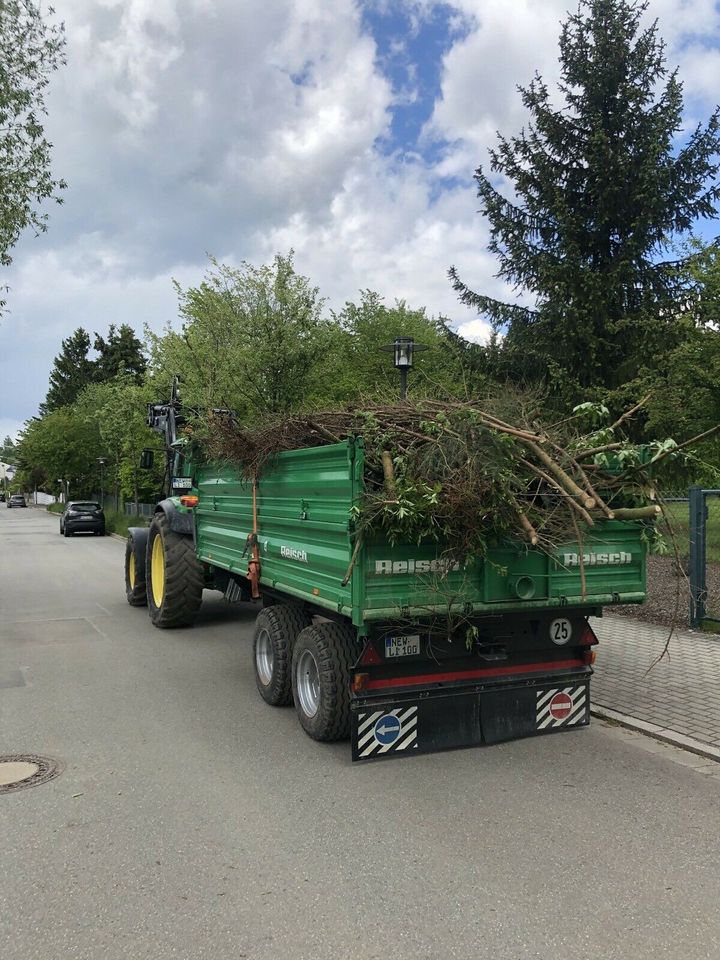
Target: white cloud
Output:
{"points": [[242, 129], [477, 330]]}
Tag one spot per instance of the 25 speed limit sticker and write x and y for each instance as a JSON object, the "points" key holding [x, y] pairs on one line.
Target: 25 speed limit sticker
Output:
{"points": [[560, 631]]}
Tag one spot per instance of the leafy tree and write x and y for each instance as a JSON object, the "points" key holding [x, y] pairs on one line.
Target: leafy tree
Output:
{"points": [[357, 364], [117, 410], [685, 400], [597, 192], [252, 339], [8, 450], [72, 371], [62, 444], [122, 354], [30, 51]]}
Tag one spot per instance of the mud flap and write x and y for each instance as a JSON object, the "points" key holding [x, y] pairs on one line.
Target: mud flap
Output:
{"points": [[408, 725]]}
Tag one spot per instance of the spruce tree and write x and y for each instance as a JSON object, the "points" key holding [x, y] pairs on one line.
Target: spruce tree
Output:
{"points": [[121, 353], [72, 371], [586, 203]]}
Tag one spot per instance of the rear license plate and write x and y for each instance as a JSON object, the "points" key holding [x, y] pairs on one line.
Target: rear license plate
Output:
{"points": [[182, 483], [402, 646]]}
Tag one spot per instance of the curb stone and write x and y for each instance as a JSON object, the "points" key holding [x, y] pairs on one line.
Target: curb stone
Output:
{"points": [[657, 733]]}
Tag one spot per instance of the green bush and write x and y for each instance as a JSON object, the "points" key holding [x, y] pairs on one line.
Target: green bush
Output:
{"points": [[55, 507], [117, 522]]}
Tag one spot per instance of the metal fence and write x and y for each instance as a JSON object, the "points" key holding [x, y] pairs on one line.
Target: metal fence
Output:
{"points": [[704, 556], [143, 509]]}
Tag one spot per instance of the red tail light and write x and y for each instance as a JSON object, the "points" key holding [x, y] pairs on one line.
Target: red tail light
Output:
{"points": [[189, 500]]}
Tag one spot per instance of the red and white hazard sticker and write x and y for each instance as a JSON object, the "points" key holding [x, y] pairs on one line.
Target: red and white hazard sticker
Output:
{"points": [[561, 707]]}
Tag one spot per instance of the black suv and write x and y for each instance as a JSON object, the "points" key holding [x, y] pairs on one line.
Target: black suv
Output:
{"points": [[16, 500], [83, 516]]}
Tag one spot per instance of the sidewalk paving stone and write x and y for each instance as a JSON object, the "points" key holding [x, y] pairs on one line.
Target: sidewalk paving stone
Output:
{"points": [[677, 696]]}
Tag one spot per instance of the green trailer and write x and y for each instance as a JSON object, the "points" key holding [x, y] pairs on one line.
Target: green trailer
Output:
{"points": [[396, 646]]}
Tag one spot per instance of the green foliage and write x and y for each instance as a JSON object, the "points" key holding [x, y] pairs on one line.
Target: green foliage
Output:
{"points": [[599, 190], [116, 521], [106, 421], [686, 402], [8, 450], [72, 371], [63, 444], [358, 366], [412, 516], [121, 355], [252, 340], [30, 51], [117, 410]]}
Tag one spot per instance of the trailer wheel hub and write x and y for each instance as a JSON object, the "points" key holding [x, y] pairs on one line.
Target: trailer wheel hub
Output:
{"points": [[25, 770], [308, 683], [264, 656]]}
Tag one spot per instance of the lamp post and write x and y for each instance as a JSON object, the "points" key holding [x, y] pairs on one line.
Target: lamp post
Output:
{"points": [[403, 350], [63, 489], [102, 461]]}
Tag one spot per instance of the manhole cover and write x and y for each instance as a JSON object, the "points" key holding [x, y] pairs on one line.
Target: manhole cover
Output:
{"points": [[26, 770]]}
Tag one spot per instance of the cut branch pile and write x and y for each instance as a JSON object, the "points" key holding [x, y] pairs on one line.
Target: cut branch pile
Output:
{"points": [[466, 474]]}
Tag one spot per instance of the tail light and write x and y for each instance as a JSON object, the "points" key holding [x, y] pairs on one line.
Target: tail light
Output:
{"points": [[189, 500], [359, 682]]}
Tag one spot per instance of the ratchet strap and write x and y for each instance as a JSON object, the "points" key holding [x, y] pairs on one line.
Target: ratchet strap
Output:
{"points": [[251, 545]]}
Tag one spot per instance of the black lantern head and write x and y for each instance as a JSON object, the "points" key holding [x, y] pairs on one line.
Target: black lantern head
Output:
{"points": [[403, 349]]}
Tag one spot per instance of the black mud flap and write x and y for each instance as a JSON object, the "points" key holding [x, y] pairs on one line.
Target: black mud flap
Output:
{"points": [[408, 725]]}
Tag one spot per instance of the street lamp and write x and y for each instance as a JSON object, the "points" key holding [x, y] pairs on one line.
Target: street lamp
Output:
{"points": [[403, 349], [102, 461]]}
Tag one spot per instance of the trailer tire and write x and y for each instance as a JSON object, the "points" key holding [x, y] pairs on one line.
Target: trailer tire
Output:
{"points": [[276, 629], [135, 585], [321, 665], [175, 578]]}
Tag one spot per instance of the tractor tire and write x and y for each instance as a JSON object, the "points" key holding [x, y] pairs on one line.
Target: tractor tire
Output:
{"points": [[322, 659], [135, 586], [276, 630], [174, 576]]}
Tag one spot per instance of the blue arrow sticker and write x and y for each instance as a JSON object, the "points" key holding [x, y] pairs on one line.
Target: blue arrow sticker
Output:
{"points": [[387, 729]]}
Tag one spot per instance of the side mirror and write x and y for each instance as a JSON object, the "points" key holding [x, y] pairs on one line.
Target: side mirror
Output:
{"points": [[147, 459]]}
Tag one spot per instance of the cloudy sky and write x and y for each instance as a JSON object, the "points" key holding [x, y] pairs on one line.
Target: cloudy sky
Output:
{"points": [[347, 130]]}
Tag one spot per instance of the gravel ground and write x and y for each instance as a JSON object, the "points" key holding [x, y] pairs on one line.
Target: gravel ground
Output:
{"points": [[668, 594]]}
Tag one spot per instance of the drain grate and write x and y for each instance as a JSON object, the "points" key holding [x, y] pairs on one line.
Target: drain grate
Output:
{"points": [[25, 770]]}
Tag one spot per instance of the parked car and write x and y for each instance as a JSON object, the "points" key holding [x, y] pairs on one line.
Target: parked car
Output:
{"points": [[82, 516], [16, 500]]}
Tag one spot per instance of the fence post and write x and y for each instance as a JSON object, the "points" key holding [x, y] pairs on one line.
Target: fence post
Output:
{"points": [[698, 585]]}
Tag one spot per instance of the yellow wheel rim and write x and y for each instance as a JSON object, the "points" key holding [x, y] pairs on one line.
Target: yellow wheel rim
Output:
{"points": [[131, 571], [157, 577]]}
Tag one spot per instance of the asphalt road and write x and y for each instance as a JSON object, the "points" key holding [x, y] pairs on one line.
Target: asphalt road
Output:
{"points": [[193, 821]]}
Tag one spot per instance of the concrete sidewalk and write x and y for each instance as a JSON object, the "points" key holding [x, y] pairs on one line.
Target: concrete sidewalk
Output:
{"points": [[678, 700]]}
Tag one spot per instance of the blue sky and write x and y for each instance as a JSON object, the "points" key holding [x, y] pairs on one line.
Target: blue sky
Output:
{"points": [[347, 131]]}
